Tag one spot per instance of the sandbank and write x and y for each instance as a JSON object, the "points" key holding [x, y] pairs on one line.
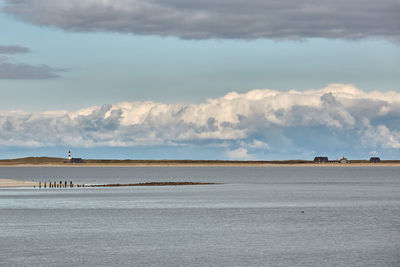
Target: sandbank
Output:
{"points": [[16, 183]]}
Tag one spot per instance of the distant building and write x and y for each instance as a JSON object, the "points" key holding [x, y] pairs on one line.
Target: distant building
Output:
{"points": [[321, 160], [73, 160], [374, 160], [326, 160], [76, 160]]}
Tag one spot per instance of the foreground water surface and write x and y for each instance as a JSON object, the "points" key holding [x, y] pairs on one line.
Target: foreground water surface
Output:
{"points": [[257, 216]]}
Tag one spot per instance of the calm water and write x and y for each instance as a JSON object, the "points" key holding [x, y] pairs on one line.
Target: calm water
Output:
{"points": [[255, 218]]}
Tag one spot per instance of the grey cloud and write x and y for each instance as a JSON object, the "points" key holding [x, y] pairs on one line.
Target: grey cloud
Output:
{"points": [[20, 71], [192, 19], [13, 49]]}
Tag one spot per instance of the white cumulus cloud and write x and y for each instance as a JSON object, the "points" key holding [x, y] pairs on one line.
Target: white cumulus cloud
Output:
{"points": [[337, 117], [239, 154]]}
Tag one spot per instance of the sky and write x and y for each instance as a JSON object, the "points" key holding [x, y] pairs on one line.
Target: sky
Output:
{"points": [[174, 79]]}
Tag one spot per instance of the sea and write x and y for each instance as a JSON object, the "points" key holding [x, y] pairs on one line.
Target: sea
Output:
{"points": [[253, 216]]}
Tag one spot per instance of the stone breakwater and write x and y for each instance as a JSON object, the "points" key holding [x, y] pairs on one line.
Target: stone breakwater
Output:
{"points": [[5, 183], [151, 184]]}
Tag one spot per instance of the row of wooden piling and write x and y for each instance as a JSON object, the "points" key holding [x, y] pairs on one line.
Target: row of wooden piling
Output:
{"points": [[60, 184]]}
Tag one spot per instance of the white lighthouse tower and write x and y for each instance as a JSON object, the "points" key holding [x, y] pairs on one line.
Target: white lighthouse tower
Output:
{"points": [[69, 155]]}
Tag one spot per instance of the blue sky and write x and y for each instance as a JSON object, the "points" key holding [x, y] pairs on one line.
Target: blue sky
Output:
{"points": [[79, 59]]}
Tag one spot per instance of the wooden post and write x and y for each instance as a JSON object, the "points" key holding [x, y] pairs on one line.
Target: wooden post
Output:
{"points": [[70, 184]]}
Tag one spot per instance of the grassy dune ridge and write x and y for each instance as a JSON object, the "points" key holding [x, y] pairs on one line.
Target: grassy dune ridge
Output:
{"points": [[63, 161], [52, 161]]}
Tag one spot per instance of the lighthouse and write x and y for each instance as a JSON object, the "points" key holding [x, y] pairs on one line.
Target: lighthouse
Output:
{"points": [[73, 160]]}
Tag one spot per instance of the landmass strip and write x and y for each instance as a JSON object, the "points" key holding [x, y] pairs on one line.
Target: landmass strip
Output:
{"points": [[151, 184], [6, 183], [51, 161]]}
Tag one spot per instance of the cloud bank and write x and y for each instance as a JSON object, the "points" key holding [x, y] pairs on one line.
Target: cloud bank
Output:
{"points": [[192, 19], [13, 49], [12, 70], [20, 71], [336, 118]]}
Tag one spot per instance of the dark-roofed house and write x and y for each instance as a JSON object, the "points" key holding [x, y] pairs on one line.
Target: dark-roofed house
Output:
{"points": [[321, 160], [374, 160], [76, 160]]}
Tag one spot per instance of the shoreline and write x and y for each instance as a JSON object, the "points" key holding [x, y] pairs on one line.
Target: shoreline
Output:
{"points": [[205, 164], [11, 183], [79, 162]]}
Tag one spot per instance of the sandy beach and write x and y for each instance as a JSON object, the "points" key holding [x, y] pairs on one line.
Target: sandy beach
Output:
{"points": [[16, 183]]}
